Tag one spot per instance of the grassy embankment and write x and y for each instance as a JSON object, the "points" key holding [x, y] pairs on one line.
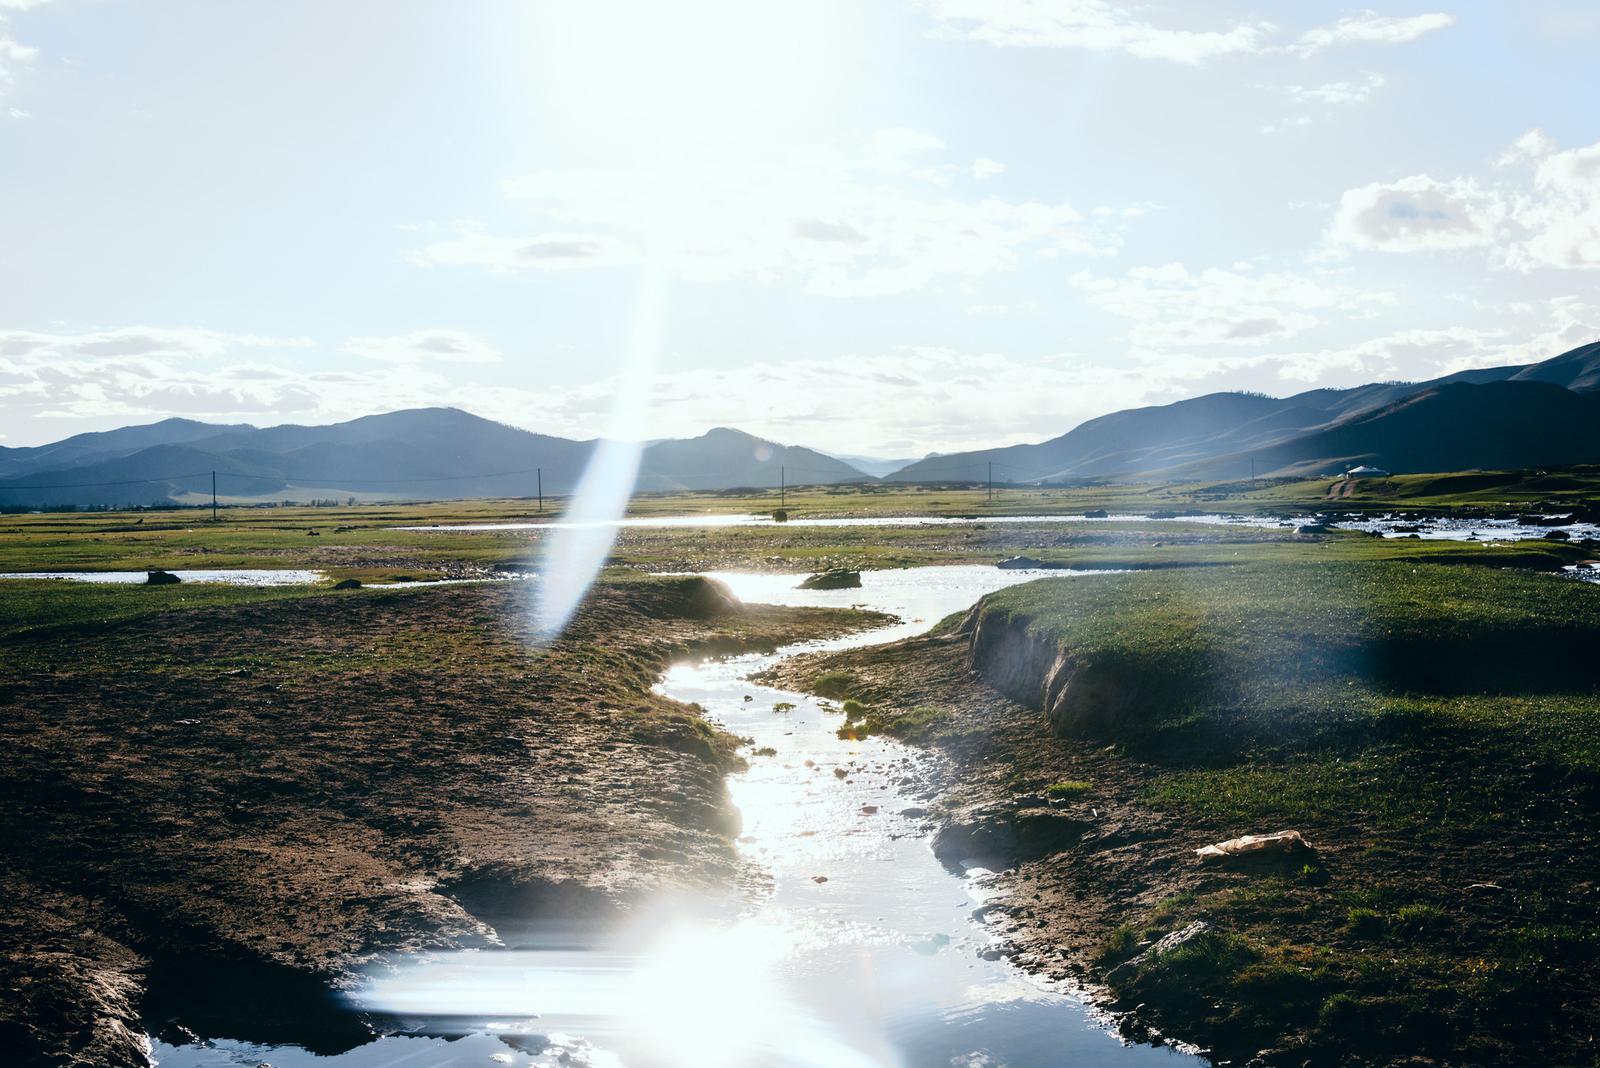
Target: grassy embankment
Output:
{"points": [[1433, 730]]}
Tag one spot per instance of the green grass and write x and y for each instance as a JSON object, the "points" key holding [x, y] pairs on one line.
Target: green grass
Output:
{"points": [[39, 607], [834, 685], [1069, 788], [1429, 726], [363, 541], [921, 724]]}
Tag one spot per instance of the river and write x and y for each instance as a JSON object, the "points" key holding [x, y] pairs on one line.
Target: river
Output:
{"points": [[854, 946]]}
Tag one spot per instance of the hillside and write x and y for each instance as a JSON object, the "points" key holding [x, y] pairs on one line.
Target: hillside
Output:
{"points": [[100, 445], [1453, 427], [724, 458], [1220, 434]]}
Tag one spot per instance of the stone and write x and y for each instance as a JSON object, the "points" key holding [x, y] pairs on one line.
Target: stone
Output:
{"points": [[835, 579]]}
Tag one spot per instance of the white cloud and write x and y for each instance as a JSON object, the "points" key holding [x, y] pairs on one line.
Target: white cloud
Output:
{"points": [[986, 168], [139, 371], [1105, 26], [138, 374], [424, 346], [1293, 122], [538, 252], [1525, 334], [905, 402], [1532, 145], [1415, 213], [1002, 309], [1097, 25], [1172, 307], [1561, 216], [13, 53], [1369, 27], [1540, 210], [134, 342], [1358, 91], [875, 220]]}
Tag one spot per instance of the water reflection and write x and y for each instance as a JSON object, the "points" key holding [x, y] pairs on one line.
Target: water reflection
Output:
{"points": [[859, 949]]}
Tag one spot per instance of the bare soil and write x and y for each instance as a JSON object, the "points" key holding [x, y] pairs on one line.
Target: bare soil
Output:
{"points": [[213, 818]]}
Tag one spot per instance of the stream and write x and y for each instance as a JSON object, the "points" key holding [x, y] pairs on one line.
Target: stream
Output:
{"points": [[854, 946]]}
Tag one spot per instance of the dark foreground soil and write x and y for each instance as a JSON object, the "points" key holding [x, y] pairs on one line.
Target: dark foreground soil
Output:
{"points": [[212, 818], [1477, 947]]}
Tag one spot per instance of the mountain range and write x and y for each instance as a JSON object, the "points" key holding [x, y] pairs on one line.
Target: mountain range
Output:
{"points": [[422, 453], [1503, 417]]}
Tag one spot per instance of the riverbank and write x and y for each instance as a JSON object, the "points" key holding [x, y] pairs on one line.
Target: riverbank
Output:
{"points": [[221, 803], [1433, 731]]}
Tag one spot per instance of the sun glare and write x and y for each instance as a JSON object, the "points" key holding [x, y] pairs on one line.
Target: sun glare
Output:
{"points": [[688, 76]]}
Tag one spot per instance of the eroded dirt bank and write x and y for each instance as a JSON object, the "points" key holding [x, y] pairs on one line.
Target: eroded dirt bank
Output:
{"points": [[1448, 912], [213, 817]]}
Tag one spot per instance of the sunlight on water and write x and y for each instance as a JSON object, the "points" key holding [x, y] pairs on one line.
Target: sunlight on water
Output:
{"points": [[857, 949], [692, 993]]}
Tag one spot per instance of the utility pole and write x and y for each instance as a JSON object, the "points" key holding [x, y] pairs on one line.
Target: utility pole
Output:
{"points": [[783, 485], [540, 472], [1252, 470], [991, 480], [213, 496]]}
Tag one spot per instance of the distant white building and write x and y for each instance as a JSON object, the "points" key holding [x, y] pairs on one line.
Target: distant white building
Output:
{"points": [[1365, 471]]}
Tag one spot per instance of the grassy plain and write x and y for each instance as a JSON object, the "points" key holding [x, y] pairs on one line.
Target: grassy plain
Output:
{"points": [[106, 539], [368, 542]]}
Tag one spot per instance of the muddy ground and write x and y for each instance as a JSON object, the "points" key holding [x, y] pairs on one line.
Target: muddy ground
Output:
{"points": [[212, 818]]}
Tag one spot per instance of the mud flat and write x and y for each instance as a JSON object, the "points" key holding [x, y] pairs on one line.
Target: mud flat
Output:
{"points": [[216, 815], [1433, 732]]}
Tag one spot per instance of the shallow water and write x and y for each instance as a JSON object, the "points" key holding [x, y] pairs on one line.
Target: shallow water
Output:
{"points": [[722, 519], [1443, 529], [1447, 529], [238, 576], [878, 965]]}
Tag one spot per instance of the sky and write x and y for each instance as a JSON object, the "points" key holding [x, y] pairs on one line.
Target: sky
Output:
{"points": [[880, 227]]}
